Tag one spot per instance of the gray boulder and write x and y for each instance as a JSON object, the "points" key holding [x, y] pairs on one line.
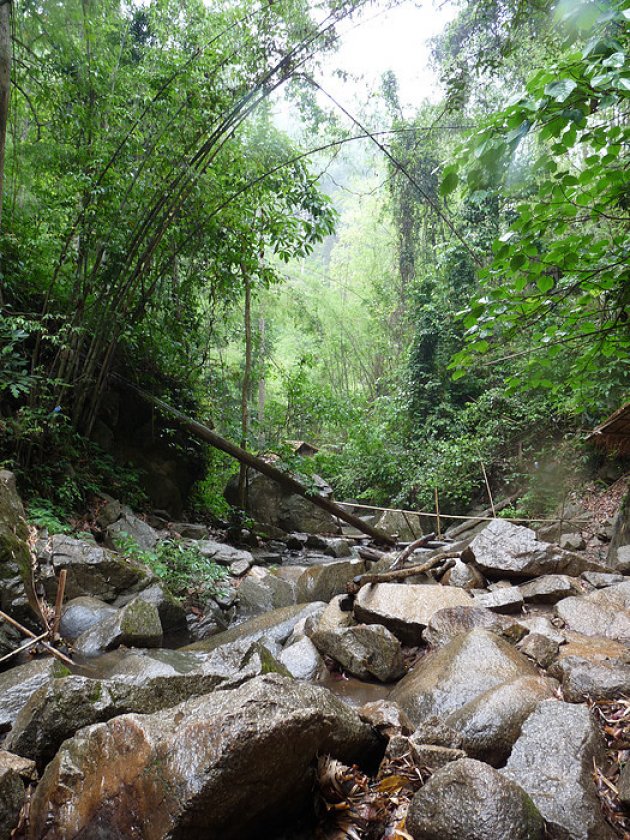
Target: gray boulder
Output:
{"points": [[457, 673], [405, 609], [333, 616], [592, 618], [11, 800], [323, 582], [302, 660], [507, 599], [135, 625], [171, 611], [130, 525], [541, 649], [464, 575], [600, 580], [80, 614], [583, 679], [16, 596], [17, 685], [405, 526], [364, 650], [506, 550], [262, 590], [446, 624], [222, 553], [553, 761], [230, 764], [549, 589], [468, 800]]}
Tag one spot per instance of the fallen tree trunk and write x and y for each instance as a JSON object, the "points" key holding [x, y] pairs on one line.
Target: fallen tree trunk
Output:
{"points": [[244, 457], [400, 574]]}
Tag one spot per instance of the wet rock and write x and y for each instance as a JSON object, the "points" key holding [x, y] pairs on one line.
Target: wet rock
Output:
{"points": [[584, 680], [80, 614], [595, 619], [553, 761], [432, 757], [135, 625], [468, 800], [15, 558], [457, 673], [225, 765], [262, 591], [222, 553], [446, 624], [405, 609], [599, 580], [364, 651], [11, 800], [321, 583], [24, 767], [171, 612], [211, 622], [549, 589], [507, 599], [405, 526], [129, 525], [239, 568], [10, 639], [506, 550], [593, 648], [436, 732], [296, 542], [334, 616], [190, 530], [275, 626], [464, 575], [302, 660], [337, 547], [541, 649], [92, 570], [572, 542], [386, 717], [491, 723], [17, 685]]}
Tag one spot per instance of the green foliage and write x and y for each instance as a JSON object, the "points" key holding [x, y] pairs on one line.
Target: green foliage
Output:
{"points": [[14, 373], [207, 494], [44, 514], [179, 564]]}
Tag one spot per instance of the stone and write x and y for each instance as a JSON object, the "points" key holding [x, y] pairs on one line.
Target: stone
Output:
{"points": [[82, 613], [593, 648], [239, 568], [542, 626], [622, 560], [229, 764], [337, 547], [261, 591], [190, 530], [404, 526], [464, 575], [364, 650], [111, 510], [584, 680], [507, 599], [468, 800], [222, 553], [24, 767], [491, 723], [296, 542], [549, 589], [553, 762], [541, 649], [16, 597], [457, 673], [92, 570], [170, 610], [386, 718], [141, 683], [271, 504], [446, 624], [572, 542], [11, 800], [275, 626], [302, 660], [506, 550], [591, 618], [135, 625], [17, 685], [405, 609], [321, 583], [10, 639], [617, 595], [334, 616], [623, 784], [599, 580], [432, 757], [130, 525]]}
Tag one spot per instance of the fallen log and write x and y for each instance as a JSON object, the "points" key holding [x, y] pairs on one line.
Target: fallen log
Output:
{"points": [[400, 574], [206, 434], [421, 543]]}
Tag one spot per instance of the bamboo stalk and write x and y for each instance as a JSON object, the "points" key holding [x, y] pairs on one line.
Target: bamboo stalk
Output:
{"points": [[26, 632], [31, 643], [61, 591], [437, 514]]}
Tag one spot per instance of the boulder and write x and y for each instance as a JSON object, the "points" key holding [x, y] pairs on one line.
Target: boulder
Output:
{"points": [[92, 570], [141, 683], [432, 757], [599, 580], [229, 764], [553, 761], [270, 504], [136, 625], [222, 553], [621, 562], [446, 624], [457, 673], [302, 660], [464, 575], [507, 599], [593, 648], [506, 550], [333, 616], [364, 650], [572, 542], [11, 800], [543, 626], [491, 723], [405, 526], [468, 800], [591, 618], [405, 609], [82, 613], [275, 626], [584, 680], [262, 590], [321, 583], [16, 597], [190, 530], [386, 717], [131, 526], [549, 589], [541, 649], [17, 685], [239, 568], [337, 547], [171, 611]]}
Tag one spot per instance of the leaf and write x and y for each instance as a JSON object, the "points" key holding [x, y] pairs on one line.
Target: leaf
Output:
{"points": [[545, 283], [449, 183], [561, 90]]}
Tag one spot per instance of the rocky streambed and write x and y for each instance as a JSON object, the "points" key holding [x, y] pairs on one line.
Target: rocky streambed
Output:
{"points": [[485, 702]]}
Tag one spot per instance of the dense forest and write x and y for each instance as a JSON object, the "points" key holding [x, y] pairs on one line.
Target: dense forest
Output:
{"points": [[424, 297]]}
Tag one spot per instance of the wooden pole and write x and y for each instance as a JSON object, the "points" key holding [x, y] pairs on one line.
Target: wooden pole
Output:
{"points": [[61, 590], [485, 478], [437, 514], [244, 457], [26, 632]]}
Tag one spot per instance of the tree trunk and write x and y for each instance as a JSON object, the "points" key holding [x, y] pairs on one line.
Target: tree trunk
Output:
{"points": [[247, 375], [5, 85], [262, 385]]}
